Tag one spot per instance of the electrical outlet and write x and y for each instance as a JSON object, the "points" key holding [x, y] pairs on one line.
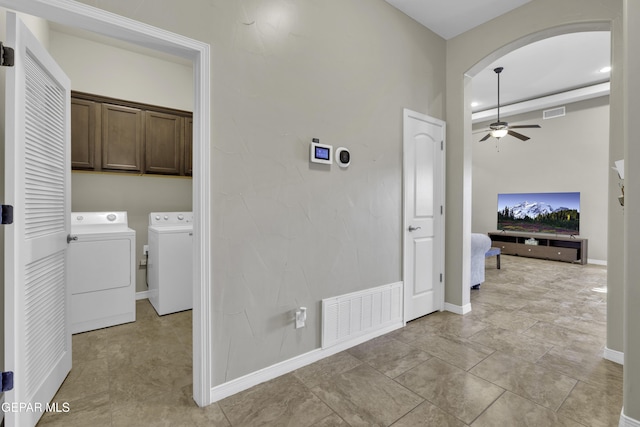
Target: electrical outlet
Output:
{"points": [[143, 262], [145, 249], [301, 317]]}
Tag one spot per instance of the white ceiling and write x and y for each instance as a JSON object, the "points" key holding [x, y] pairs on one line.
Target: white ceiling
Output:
{"points": [[546, 67], [448, 18], [554, 65]]}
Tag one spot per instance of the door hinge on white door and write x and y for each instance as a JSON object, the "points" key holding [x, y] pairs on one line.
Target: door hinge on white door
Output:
{"points": [[440, 277], [6, 56], [441, 145], [6, 381], [6, 213], [441, 209]]}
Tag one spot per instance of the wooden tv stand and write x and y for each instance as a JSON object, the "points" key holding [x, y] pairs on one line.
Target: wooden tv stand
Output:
{"points": [[557, 248]]}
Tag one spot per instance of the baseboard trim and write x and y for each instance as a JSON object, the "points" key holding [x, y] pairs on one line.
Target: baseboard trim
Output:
{"points": [[142, 295], [247, 381], [626, 421], [614, 356], [457, 309], [596, 261]]}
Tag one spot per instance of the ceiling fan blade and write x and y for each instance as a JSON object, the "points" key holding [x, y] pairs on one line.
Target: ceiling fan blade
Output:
{"points": [[480, 131], [524, 126], [518, 135], [485, 137]]}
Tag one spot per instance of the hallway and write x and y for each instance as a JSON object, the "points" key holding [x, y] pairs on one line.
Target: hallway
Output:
{"points": [[530, 353]]}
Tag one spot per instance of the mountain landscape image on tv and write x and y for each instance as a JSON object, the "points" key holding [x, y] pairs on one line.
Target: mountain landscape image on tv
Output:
{"points": [[554, 213]]}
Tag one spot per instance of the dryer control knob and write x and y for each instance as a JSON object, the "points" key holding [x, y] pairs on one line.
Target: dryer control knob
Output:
{"points": [[158, 217], [166, 217], [111, 217], [180, 217]]}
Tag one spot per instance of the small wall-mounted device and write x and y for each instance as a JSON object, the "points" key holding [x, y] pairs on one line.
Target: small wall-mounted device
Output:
{"points": [[343, 157], [321, 153]]}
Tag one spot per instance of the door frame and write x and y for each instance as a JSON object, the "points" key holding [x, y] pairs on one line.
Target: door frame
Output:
{"points": [[440, 224], [73, 14]]}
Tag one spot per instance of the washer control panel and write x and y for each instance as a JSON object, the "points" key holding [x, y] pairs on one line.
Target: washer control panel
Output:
{"points": [[170, 218], [98, 218]]}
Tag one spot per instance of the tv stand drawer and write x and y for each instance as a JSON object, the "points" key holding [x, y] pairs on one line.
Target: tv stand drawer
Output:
{"points": [[506, 248], [549, 252]]}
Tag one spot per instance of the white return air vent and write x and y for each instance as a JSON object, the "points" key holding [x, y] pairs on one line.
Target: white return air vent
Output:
{"points": [[553, 113], [349, 316]]}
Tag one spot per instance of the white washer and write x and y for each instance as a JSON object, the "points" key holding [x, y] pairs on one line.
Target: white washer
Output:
{"points": [[170, 266], [102, 276]]}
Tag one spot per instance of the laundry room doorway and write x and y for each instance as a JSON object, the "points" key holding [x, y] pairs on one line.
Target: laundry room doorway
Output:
{"points": [[76, 15]]}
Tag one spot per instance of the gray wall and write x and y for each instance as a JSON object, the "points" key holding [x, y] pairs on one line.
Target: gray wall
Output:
{"points": [[632, 212], [129, 73], [568, 153], [287, 234]]}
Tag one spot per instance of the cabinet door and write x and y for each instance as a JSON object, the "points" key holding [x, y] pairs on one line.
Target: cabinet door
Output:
{"points": [[85, 134], [188, 145], [163, 143], [122, 138]]}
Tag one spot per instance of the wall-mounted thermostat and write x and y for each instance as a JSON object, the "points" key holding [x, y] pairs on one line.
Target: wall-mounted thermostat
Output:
{"points": [[343, 157], [321, 153]]}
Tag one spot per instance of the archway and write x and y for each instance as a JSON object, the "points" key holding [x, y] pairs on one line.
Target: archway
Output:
{"points": [[614, 316]]}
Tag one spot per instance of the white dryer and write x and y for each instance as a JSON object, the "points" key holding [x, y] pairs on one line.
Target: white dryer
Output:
{"points": [[170, 265], [102, 276]]}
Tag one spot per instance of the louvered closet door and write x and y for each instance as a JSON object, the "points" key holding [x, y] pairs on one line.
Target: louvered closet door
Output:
{"points": [[37, 334]]}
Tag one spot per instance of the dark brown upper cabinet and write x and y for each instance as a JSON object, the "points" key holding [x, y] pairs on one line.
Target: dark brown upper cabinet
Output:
{"points": [[122, 138], [114, 135], [188, 146], [85, 133], [164, 142]]}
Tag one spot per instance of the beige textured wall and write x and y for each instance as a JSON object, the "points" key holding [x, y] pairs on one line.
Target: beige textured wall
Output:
{"points": [[479, 47], [632, 212], [568, 153], [287, 234]]}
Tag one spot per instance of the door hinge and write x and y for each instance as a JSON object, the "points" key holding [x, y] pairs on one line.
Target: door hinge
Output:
{"points": [[441, 145], [441, 209], [6, 212], [440, 277], [6, 381], [6, 56]]}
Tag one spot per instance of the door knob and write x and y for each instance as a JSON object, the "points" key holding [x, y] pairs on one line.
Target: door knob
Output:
{"points": [[70, 238], [412, 228]]}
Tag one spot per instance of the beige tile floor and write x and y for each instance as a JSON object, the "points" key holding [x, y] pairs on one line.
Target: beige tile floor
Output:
{"points": [[529, 354]]}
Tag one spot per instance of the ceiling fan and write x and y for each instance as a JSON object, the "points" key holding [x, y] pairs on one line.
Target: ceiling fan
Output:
{"points": [[499, 129]]}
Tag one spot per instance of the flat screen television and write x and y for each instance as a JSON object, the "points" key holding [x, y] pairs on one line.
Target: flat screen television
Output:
{"points": [[553, 213]]}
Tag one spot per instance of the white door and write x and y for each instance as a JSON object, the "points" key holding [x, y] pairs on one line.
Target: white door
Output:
{"points": [[423, 258], [37, 184]]}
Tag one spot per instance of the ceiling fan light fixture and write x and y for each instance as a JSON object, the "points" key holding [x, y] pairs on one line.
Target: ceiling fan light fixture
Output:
{"points": [[499, 133], [500, 129]]}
